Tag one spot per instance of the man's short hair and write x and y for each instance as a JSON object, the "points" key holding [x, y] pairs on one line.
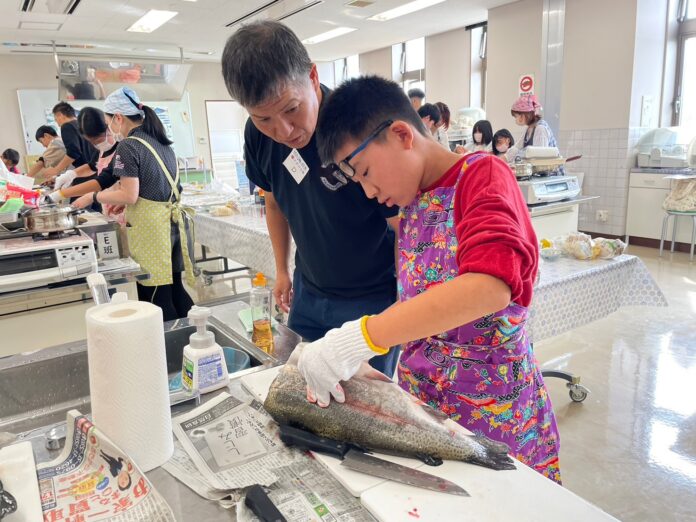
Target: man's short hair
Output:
{"points": [[65, 109], [431, 110], [45, 129], [261, 59], [357, 108], [416, 93]]}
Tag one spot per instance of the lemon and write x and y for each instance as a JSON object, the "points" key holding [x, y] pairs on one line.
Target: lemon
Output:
{"points": [[545, 243]]}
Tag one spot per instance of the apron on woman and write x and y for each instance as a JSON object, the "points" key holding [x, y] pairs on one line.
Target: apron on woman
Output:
{"points": [[149, 231], [529, 140], [483, 374]]}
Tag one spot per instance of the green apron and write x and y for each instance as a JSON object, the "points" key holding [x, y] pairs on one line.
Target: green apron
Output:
{"points": [[149, 231]]}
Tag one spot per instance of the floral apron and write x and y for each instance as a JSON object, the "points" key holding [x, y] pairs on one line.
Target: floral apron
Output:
{"points": [[483, 374], [149, 233]]}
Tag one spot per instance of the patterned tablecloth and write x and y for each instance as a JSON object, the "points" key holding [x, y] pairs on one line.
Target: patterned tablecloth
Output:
{"points": [[572, 293], [243, 238]]}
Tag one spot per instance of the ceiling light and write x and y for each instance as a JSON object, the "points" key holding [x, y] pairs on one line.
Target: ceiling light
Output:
{"points": [[333, 33], [151, 21], [405, 9]]}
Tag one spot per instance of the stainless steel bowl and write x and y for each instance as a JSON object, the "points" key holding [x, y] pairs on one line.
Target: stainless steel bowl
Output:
{"points": [[51, 219], [522, 170]]}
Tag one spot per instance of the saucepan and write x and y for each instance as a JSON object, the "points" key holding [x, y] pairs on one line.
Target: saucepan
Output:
{"points": [[51, 219]]}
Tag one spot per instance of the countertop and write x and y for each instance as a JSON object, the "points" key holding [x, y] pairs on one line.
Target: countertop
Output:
{"points": [[548, 208]]}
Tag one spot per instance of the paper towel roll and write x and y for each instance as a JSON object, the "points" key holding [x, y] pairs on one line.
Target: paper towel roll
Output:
{"points": [[128, 380]]}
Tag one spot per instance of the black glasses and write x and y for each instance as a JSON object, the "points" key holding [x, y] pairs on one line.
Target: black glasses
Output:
{"points": [[343, 169]]}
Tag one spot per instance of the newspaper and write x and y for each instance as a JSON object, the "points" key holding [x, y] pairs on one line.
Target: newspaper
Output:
{"points": [[94, 480], [306, 492], [233, 444]]}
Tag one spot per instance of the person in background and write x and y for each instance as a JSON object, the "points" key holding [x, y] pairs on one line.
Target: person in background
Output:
{"points": [[54, 153], [93, 127], [503, 145], [431, 117], [10, 158], [527, 112], [149, 189], [344, 263], [468, 261], [482, 136], [443, 126], [416, 96], [78, 151]]}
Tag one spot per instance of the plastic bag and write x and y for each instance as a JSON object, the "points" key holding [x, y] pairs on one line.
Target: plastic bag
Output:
{"points": [[582, 246], [682, 198]]}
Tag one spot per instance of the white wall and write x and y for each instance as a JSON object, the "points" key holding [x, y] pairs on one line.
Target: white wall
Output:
{"points": [[514, 49], [377, 62], [447, 68], [38, 72]]}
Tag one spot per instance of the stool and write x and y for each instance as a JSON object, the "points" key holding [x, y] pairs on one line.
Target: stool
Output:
{"points": [[676, 214]]}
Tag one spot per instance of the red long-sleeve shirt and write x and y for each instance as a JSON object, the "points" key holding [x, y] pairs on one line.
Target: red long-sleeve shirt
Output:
{"points": [[493, 226]]}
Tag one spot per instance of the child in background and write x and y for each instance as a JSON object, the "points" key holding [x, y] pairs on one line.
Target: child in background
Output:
{"points": [[467, 263], [503, 145], [10, 158]]}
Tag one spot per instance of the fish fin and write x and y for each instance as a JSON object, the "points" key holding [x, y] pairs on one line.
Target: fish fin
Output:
{"points": [[496, 454], [430, 460], [436, 414]]}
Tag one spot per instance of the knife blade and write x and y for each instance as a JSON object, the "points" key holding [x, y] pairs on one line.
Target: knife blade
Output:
{"points": [[356, 459]]}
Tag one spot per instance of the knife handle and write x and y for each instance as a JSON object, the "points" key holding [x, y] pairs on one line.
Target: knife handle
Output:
{"points": [[306, 440], [257, 500]]}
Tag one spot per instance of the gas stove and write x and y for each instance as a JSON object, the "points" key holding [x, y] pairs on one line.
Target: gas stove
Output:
{"points": [[34, 260]]}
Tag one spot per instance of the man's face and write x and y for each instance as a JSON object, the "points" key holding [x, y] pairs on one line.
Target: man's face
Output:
{"points": [[387, 169], [416, 103], [291, 117], [427, 120], [45, 140], [60, 118]]}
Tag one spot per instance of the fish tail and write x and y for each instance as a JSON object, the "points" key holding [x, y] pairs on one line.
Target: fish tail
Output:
{"points": [[495, 454]]}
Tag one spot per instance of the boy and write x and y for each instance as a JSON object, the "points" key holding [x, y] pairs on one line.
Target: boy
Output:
{"points": [[10, 158], [467, 264]]}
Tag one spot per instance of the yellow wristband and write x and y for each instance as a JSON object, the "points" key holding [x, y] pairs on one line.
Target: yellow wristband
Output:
{"points": [[363, 326]]}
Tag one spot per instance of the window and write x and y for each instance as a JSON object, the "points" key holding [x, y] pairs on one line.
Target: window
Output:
{"points": [[408, 64], [684, 106], [346, 68]]}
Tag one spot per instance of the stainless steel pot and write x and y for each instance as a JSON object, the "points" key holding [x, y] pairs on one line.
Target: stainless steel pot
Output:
{"points": [[51, 219]]}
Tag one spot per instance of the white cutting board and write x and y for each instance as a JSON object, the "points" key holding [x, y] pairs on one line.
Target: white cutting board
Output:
{"points": [[522, 494], [258, 384], [18, 475]]}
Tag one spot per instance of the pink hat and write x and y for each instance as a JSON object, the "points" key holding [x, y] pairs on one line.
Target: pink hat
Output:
{"points": [[526, 103]]}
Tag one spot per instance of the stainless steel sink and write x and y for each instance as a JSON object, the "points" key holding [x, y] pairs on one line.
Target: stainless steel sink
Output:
{"points": [[38, 389]]}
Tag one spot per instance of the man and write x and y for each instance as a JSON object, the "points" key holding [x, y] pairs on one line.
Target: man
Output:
{"points": [[54, 153], [416, 96], [345, 254], [431, 116]]}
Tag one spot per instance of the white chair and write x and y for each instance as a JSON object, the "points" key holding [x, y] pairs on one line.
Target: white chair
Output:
{"points": [[676, 215]]}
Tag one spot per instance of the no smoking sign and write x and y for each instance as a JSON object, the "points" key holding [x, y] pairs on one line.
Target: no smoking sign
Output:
{"points": [[526, 84]]}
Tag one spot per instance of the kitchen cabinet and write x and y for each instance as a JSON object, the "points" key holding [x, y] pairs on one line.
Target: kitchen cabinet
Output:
{"points": [[557, 218], [644, 214]]}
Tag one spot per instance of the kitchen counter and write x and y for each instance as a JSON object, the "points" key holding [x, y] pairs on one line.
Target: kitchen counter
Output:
{"points": [[557, 218], [547, 208]]}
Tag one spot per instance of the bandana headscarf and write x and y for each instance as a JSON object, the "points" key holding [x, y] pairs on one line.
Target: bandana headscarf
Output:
{"points": [[124, 101], [527, 103]]}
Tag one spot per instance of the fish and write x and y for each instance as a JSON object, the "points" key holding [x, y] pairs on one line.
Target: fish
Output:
{"points": [[378, 415]]}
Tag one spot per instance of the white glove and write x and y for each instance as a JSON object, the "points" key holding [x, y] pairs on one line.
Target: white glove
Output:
{"points": [[65, 179], [56, 196], [335, 357]]}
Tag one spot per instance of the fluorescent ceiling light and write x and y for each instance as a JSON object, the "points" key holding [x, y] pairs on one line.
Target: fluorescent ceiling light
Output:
{"points": [[151, 21], [333, 33], [405, 9]]}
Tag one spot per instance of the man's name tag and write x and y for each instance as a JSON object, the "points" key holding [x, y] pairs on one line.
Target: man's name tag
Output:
{"points": [[296, 166]]}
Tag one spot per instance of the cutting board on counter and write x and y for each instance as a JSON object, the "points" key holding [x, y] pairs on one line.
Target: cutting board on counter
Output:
{"points": [[357, 483]]}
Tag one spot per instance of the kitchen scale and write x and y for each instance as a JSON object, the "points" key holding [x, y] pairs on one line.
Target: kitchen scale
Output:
{"points": [[539, 191]]}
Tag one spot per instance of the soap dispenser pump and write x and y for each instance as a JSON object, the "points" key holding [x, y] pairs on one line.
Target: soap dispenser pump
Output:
{"points": [[204, 368]]}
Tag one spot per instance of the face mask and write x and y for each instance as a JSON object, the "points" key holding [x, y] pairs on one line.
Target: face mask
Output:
{"points": [[502, 148], [116, 135], [109, 141], [478, 136]]}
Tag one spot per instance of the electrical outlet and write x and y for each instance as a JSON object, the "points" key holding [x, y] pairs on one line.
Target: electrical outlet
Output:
{"points": [[602, 215]]}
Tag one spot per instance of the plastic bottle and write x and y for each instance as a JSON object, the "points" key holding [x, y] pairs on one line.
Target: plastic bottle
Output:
{"points": [[260, 301], [204, 366]]}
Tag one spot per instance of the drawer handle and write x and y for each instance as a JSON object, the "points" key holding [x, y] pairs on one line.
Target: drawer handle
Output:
{"points": [[649, 181]]}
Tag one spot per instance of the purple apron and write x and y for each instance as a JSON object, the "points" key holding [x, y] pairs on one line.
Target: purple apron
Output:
{"points": [[483, 374]]}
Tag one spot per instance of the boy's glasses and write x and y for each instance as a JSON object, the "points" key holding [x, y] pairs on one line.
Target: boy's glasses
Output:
{"points": [[343, 169]]}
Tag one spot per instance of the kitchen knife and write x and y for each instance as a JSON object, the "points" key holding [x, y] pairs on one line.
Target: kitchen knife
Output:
{"points": [[355, 459], [260, 504]]}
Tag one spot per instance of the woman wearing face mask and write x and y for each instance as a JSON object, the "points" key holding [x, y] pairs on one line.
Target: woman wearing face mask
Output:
{"points": [[149, 189], [503, 145], [482, 135], [526, 111], [93, 127]]}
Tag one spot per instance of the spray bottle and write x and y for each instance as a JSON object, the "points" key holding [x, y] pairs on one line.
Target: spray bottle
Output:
{"points": [[204, 366]]}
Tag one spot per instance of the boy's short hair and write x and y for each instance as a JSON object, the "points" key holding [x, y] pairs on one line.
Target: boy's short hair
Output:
{"points": [[431, 110], [65, 109], [416, 93], [46, 129], [11, 155], [357, 108]]}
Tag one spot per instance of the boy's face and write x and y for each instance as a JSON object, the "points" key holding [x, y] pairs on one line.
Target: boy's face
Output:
{"points": [[7, 163], [388, 169], [291, 117]]}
